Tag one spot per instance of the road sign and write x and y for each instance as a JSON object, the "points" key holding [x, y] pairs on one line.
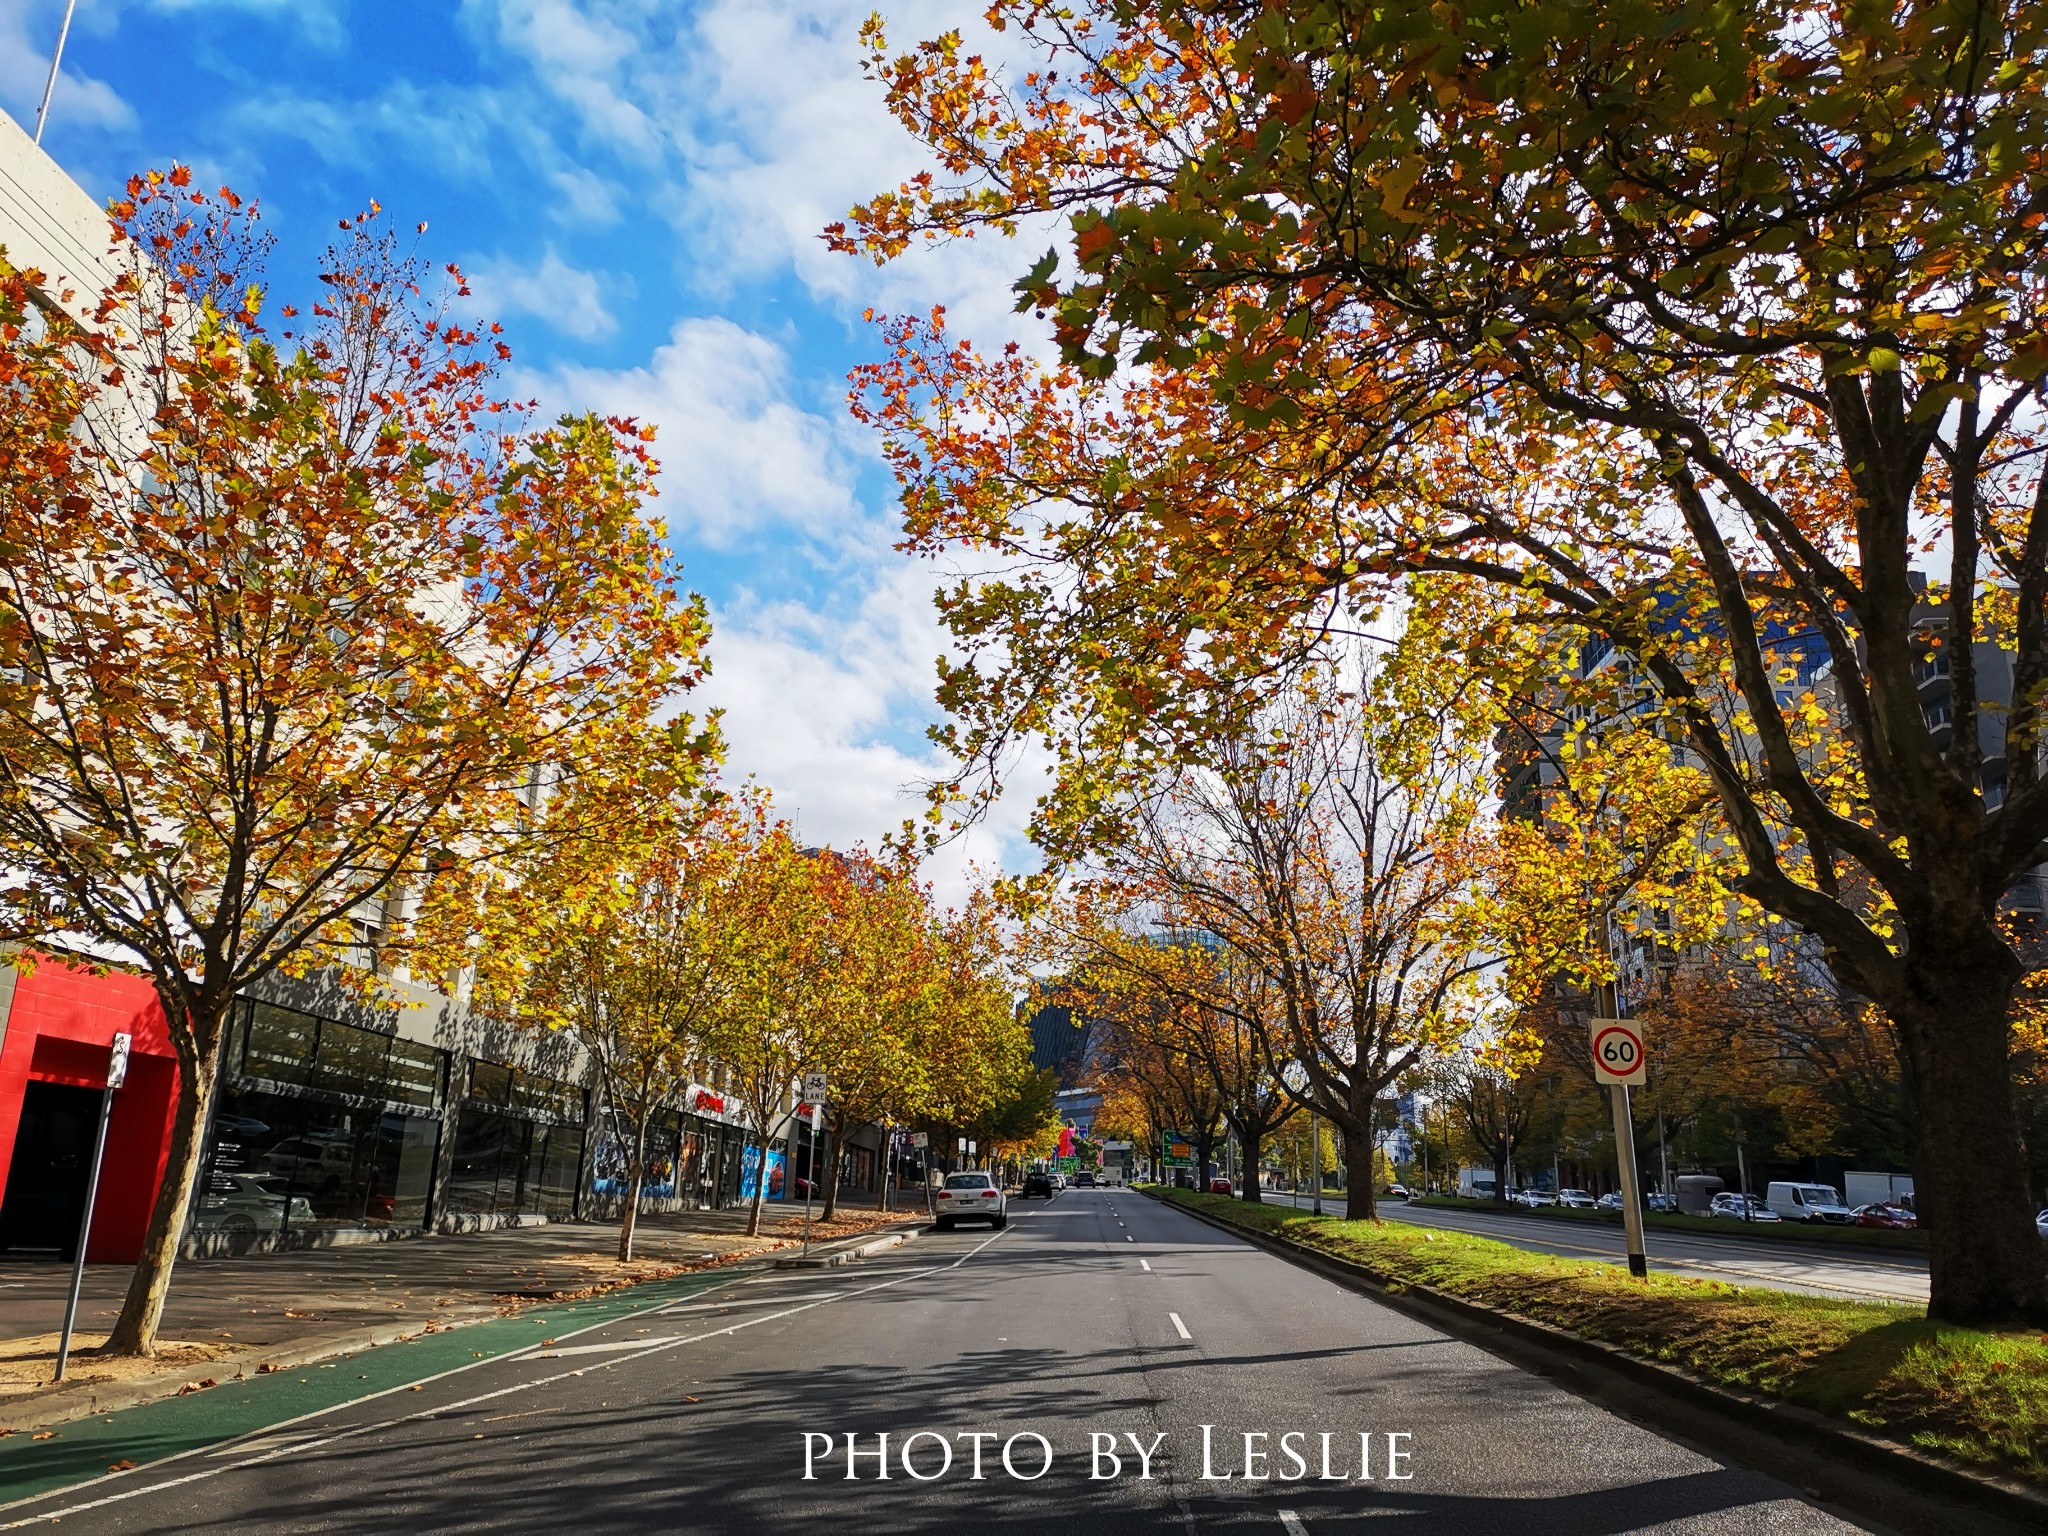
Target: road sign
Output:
{"points": [[1069, 1164], [117, 1061], [1176, 1150], [814, 1087], [1618, 1055], [920, 1139]]}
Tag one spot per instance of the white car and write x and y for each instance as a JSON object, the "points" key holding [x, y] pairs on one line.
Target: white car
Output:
{"points": [[249, 1202], [971, 1197], [1730, 1204], [1577, 1199]]}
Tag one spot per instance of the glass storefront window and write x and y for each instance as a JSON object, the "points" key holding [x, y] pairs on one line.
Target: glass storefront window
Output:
{"points": [[319, 1124], [505, 1165], [278, 1044], [285, 1161]]}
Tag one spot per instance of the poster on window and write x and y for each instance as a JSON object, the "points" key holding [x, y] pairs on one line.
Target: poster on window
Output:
{"points": [[750, 1173]]}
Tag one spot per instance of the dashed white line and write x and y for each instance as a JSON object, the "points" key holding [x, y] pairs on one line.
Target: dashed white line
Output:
{"points": [[1291, 1523], [1145, 1265], [1128, 1238], [1180, 1327]]}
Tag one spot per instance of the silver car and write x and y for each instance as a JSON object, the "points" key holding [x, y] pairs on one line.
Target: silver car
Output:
{"points": [[971, 1197]]}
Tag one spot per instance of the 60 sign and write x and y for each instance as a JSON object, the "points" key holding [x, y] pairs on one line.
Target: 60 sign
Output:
{"points": [[1618, 1055]]}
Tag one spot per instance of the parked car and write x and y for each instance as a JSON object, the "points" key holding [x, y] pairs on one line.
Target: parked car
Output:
{"points": [[1657, 1200], [249, 1202], [1532, 1198], [1808, 1202], [1884, 1214], [1037, 1185], [971, 1197], [1611, 1201], [1742, 1207], [1577, 1199], [316, 1164], [1219, 1186]]}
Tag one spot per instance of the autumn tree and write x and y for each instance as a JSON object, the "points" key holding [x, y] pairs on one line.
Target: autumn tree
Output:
{"points": [[628, 945], [1697, 327], [295, 616], [1196, 998]]}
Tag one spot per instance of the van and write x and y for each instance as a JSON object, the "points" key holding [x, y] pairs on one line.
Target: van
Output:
{"points": [[1808, 1202]]}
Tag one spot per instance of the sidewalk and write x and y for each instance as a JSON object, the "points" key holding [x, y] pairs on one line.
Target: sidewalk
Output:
{"points": [[237, 1317]]}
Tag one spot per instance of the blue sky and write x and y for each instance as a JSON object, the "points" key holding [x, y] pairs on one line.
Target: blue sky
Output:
{"points": [[636, 189]]}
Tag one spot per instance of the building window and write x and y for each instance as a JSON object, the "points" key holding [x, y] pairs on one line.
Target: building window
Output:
{"points": [[518, 1145], [320, 1124]]}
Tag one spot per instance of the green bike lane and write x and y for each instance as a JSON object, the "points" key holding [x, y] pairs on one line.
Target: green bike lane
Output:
{"points": [[84, 1450]]}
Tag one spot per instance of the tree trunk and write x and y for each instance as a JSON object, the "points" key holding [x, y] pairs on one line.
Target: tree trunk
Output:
{"points": [[1358, 1190], [831, 1174], [1987, 1266], [142, 1309], [629, 1219], [1250, 1139]]}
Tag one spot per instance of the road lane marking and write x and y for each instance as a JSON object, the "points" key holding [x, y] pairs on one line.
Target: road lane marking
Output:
{"points": [[1180, 1327], [1292, 1523], [1128, 1238], [1145, 1265], [269, 1434], [617, 1346]]}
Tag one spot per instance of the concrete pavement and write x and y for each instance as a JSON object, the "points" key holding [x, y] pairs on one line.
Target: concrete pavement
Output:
{"points": [[1867, 1275], [1098, 1314]]}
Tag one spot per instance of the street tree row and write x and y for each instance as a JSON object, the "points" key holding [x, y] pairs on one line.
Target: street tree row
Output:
{"points": [[1713, 334]]}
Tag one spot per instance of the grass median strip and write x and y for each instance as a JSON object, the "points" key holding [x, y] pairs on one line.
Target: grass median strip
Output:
{"points": [[82, 1449], [1981, 1398]]}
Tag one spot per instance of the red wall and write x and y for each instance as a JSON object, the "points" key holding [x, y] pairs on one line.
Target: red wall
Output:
{"points": [[59, 1030]]}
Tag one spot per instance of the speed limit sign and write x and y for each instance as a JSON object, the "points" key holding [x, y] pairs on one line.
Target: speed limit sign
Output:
{"points": [[1618, 1051]]}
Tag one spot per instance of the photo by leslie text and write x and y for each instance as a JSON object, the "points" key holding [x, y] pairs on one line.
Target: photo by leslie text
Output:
{"points": [[1252, 1455]]}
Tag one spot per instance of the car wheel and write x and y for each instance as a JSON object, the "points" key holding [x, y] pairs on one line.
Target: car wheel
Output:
{"points": [[945, 1223], [1000, 1222]]}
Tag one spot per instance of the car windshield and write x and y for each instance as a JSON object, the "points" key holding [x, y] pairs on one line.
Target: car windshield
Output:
{"points": [[967, 1181]]}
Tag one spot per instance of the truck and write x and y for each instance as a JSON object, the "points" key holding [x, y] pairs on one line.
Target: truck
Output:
{"points": [[1476, 1183], [1878, 1188]]}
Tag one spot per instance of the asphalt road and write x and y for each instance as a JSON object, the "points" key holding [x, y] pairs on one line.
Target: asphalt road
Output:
{"points": [[1873, 1275], [1100, 1312]]}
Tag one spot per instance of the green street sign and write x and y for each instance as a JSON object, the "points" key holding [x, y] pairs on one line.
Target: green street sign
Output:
{"points": [[1070, 1165], [1176, 1150]]}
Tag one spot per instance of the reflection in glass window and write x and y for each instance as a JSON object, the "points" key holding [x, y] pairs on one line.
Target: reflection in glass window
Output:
{"points": [[278, 1044], [281, 1162]]}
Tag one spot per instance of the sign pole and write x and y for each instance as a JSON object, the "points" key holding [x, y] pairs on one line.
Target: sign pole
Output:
{"points": [[117, 1073], [1619, 1060]]}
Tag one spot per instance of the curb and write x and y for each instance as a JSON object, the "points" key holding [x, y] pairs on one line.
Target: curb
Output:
{"points": [[850, 1252], [1753, 1413]]}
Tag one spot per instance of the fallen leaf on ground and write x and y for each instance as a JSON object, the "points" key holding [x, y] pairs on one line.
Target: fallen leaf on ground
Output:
{"points": [[693, 1399], [123, 1465], [47, 1434], [266, 1368]]}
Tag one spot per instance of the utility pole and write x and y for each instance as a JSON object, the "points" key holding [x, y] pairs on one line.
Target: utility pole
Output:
{"points": [[1315, 1156]]}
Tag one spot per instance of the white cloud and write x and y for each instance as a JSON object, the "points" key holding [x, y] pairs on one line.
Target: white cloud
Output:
{"points": [[822, 707], [566, 298], [739, 456]]}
